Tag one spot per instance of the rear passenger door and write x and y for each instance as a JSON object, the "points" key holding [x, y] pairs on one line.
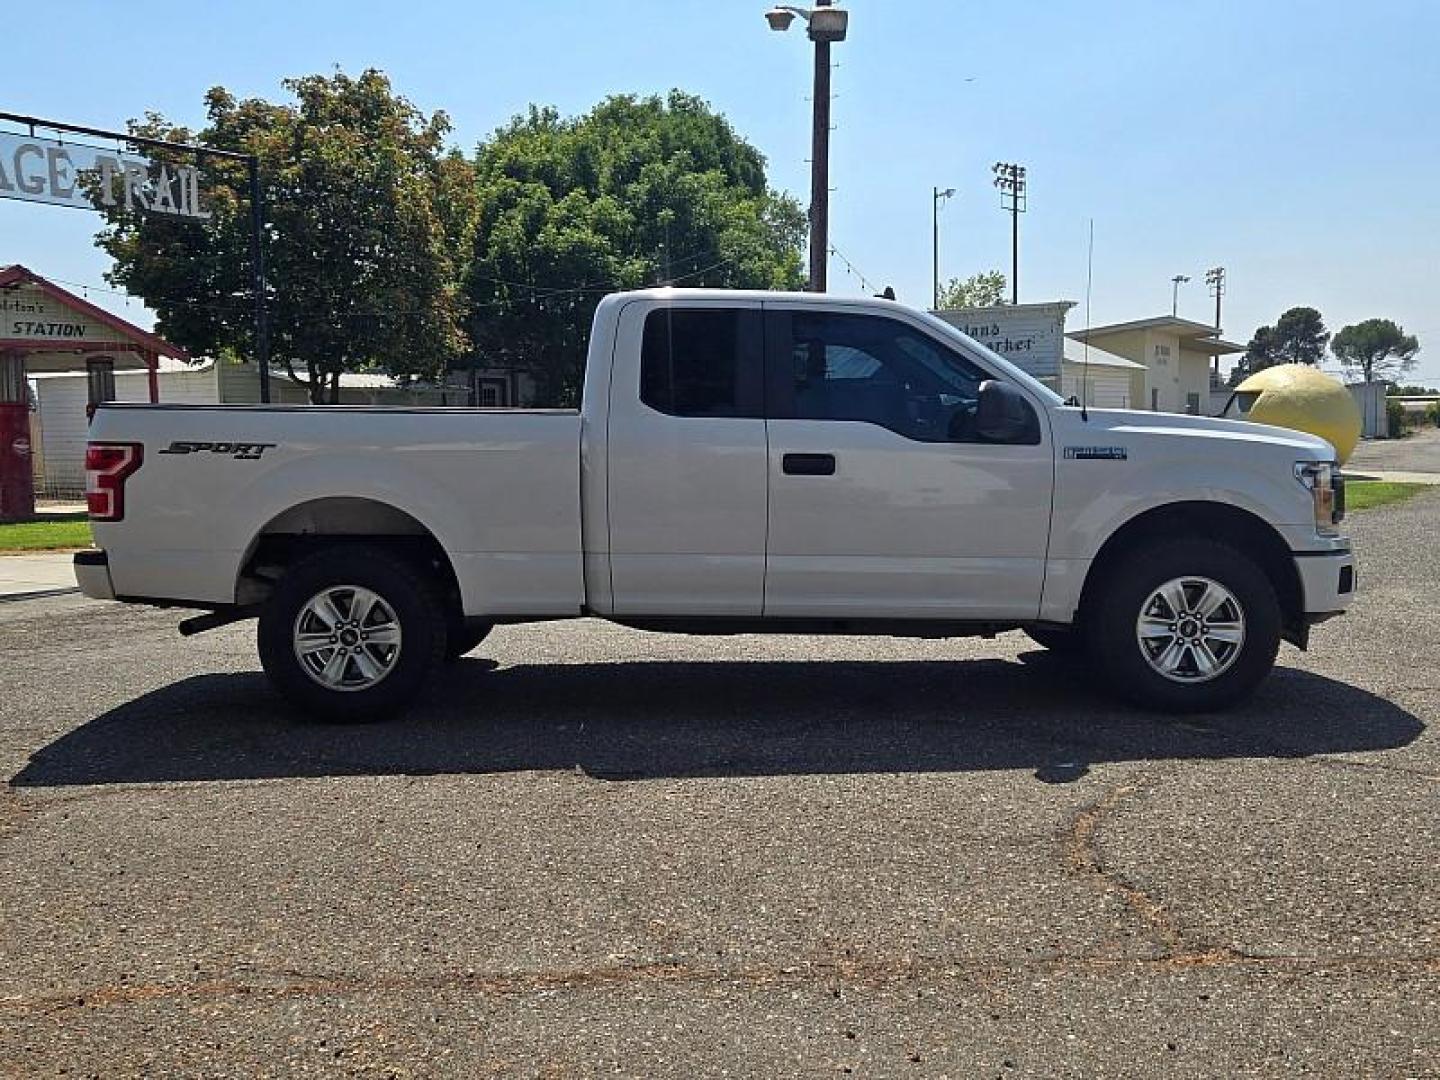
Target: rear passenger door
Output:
{"points": [[687, 460]]}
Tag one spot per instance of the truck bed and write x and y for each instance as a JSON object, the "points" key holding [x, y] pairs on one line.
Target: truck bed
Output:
{"points": [[499, 489]]}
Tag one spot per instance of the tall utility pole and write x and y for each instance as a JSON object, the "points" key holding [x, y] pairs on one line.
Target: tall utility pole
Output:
{"points": [[824, 24], [1176, 281], [1010, 179], [1215, 278], [820, 168], [939, 197]]}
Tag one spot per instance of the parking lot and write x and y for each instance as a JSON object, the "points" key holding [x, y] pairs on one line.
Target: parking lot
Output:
{"points": [[595, 850]]}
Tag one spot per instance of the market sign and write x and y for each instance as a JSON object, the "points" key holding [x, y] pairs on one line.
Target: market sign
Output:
{"points": [[1030, 336], [87, 177]]}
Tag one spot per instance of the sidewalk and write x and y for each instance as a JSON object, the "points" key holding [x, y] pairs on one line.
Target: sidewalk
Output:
{"points": [[1393, 476], [42, 574]]}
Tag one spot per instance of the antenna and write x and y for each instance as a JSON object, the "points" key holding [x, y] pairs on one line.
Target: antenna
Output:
{"points": [[1085, 356]]}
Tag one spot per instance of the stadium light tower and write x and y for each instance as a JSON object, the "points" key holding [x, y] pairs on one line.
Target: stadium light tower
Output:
{"points": [[1010, 179]]}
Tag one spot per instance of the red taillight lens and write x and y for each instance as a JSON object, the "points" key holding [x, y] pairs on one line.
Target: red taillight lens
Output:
{"points": [[106, 467]]}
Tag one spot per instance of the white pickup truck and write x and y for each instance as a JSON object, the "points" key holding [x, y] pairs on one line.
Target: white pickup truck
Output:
{"points": [[743, 462]]}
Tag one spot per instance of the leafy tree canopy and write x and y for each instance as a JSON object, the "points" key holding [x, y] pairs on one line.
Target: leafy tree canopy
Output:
{"points": [[1298, 337], [978, 290], [366, 213], [1261, 353], [637, 192], [1376, 349]]}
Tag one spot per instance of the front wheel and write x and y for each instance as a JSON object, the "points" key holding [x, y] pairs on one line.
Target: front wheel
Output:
{"points": [[1185, 626], [464, 637], [350, 633]]}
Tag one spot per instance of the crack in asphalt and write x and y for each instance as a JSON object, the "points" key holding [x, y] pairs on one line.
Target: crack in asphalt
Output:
{"points": [[852, 973], [1082, 857]]}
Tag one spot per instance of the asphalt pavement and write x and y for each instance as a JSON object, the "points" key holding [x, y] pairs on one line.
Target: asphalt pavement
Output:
{"points": [[1418, 452], [593, 850]]}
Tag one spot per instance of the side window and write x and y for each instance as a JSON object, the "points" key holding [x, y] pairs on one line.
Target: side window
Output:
{"points": [[870, 368], [702, 362]]}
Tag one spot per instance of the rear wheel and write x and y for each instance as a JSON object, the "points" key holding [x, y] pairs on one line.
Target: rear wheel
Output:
{"points": [[1057, 640], [350, 633], [1185, 625]]}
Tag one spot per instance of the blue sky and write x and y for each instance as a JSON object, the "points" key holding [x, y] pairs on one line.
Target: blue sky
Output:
{"points": [[1295, 143]]}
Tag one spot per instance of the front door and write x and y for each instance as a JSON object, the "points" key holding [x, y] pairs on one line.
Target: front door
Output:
{"points": [[884, 501], [687, 460]]}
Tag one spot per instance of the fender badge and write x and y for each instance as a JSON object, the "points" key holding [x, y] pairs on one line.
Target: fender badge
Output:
{"points": [[1095, 453], [240, 451]]}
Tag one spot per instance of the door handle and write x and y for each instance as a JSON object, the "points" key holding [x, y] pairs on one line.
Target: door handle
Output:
{"points": [[808, 464]]}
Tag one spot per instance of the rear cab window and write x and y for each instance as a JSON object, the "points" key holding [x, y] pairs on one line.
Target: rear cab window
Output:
{"points": [[703, 362]]}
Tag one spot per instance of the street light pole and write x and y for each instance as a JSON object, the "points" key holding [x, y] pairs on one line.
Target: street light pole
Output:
{"points": [[1176, 281], [939, 196], [825, 24]]}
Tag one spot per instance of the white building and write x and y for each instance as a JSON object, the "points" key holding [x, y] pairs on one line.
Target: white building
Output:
{"points": [[1101, 379], [59, 418]]}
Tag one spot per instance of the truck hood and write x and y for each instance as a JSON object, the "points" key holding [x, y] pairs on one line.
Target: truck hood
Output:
{"points": [[1136, 423]]}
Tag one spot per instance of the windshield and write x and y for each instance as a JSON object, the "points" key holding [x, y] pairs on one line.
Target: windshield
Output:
{"points": [[991, 358]]}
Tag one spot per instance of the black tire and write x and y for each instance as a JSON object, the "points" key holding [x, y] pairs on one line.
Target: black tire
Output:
{"points": [[1057, 640], [1115, 609], [409, 595], [463, 637]]}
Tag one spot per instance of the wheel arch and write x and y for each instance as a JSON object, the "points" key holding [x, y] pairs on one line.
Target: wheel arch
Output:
{"points": [[306, 526], [1241, 529]]}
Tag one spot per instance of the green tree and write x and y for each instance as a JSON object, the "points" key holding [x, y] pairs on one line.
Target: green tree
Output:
{"points": [[637, 192], [1262, 352], [1300, 337], [1376, 349], [978, 290], [367, 216]]}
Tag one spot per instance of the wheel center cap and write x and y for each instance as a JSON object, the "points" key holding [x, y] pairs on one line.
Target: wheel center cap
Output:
{"points": [[1189, 628], [349, 637]]}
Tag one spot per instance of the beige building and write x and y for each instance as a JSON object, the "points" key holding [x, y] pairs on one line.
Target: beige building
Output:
{"points": [[1176, 357]]}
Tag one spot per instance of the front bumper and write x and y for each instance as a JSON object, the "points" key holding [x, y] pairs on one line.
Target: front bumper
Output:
{"points": [[92, 573], [1327, 580]]}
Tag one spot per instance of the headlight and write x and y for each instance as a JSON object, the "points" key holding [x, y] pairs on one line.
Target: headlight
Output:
{"points": [[1327, 489]]}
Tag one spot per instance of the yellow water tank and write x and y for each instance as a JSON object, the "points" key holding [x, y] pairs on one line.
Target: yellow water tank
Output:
{"points": [[1303, 398]]}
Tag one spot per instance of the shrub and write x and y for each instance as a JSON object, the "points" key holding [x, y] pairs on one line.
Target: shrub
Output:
{"points": [[1395, 414], [1433, 413]]}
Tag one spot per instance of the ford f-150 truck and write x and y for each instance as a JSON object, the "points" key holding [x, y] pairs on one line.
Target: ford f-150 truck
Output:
{"points": [[742, 462]]}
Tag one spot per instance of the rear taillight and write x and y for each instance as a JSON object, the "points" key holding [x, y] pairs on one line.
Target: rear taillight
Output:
{"points": [[106, 467]]}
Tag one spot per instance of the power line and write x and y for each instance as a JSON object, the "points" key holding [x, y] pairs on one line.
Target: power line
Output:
{"points": [[852, 269]]}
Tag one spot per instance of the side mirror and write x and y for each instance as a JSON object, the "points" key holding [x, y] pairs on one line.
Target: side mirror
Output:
{"points": [[1003, 415]]}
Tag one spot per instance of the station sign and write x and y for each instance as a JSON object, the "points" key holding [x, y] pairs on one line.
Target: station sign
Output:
{"points": [[92, 178], [28, 316]]}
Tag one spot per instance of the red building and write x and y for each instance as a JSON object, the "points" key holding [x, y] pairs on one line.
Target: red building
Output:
{"points": [[46, 328]]}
